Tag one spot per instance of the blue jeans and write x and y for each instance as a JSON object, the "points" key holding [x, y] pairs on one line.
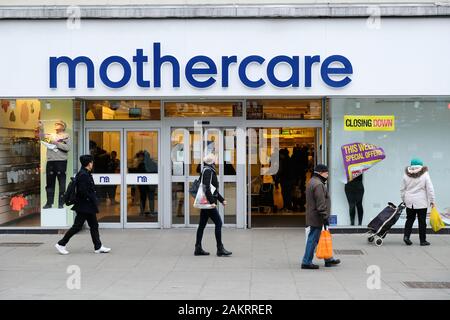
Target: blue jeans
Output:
{"points": [[311, 245]]}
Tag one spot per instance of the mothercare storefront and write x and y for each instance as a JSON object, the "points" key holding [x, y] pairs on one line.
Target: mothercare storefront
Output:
{"points": [[270, 98]]}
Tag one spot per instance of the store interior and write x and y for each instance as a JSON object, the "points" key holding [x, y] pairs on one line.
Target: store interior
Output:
{"points": [[279, 174]]}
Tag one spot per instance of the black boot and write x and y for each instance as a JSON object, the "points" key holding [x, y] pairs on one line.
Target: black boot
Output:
{"points": [[200, 252], [407, 241], [221, 251], [47, 206]]}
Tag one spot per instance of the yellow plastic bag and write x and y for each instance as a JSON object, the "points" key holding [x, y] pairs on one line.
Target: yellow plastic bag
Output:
{"points": [[436, 220]]}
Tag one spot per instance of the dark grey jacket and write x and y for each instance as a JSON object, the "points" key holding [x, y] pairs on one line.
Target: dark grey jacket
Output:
{"points": [[317, 202]]}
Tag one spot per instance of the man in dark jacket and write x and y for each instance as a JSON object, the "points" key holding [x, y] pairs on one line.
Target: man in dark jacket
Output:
{"points": [[86, 208], [317, 215]]}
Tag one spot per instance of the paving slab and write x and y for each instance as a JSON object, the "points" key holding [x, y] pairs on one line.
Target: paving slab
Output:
{"points": [[159, 265]]}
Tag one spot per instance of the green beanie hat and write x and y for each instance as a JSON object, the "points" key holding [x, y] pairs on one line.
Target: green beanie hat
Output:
{"points": [[416, 162]]}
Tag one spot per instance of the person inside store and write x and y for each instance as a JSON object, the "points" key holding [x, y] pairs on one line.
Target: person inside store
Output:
{"points": [[417, 192], [354, 190], [58, 145], [209, 180], [286, 179], [101, 159], [86, 208], [317, 215], [113, 167], [145, 164]]}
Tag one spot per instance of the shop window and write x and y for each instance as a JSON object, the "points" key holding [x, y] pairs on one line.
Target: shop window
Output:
{"points": [[284, 109], [123, 110], [37, 159], [202, 109], [404, 129]]}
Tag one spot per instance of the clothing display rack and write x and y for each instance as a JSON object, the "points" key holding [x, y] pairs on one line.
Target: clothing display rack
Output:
{"points": [[19, 175]]}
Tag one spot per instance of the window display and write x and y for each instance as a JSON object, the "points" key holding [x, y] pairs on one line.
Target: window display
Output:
{"points": [[393, 132], [55, 134], [19, 164]]}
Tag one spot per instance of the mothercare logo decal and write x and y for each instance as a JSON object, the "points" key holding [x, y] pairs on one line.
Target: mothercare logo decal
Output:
{"points": [[202, 71], [369, 123]]}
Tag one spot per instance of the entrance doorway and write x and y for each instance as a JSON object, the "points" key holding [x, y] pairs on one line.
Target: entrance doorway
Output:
{"points": [[280, 163], [188, 147], [126, 167]]}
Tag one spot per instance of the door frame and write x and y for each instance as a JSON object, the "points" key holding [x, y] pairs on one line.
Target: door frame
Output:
{"points": [[264, 124], [236, 123], [187, 178], [123, 127]]}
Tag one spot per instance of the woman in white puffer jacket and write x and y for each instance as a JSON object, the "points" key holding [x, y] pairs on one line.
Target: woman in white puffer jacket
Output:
{"points": [[417, 193]]}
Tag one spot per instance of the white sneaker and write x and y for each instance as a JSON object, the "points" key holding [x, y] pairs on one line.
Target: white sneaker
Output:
{"points": [[103, 250], [61, 249]]}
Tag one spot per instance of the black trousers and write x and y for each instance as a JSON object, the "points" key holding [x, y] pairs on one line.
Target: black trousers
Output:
{"points": [[205, 214], [355, 200], [56, 169], [147, 192], [111, 192], [411, 217], [286, 192], [80, 218]]}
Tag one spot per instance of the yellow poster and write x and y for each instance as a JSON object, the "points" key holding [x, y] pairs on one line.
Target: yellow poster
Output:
{"points": [[369, 123]]}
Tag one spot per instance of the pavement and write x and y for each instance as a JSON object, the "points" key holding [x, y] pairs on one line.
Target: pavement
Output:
{"points": [[159, 264]]}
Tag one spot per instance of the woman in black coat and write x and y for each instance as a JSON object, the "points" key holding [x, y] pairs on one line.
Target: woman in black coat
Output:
{"points": [[209, 178]]}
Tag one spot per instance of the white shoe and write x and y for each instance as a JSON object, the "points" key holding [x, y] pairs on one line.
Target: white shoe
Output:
{"points": [[103, 250], [61, 249]]}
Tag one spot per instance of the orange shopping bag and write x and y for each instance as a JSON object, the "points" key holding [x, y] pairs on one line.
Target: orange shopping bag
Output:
{"points": [[325, 246]]}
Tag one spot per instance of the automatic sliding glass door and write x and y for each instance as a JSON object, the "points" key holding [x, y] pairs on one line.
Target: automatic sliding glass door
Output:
{"points": [[188, 146]]}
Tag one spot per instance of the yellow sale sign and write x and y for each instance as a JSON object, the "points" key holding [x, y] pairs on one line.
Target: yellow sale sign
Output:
{"points": [[369, 123]]}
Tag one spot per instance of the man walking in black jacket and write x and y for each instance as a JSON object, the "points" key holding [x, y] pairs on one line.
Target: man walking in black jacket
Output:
{"points": [[86, 208]]}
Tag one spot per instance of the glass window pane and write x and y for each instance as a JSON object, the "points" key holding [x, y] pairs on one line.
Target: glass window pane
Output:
{"points": [[20, 163], [178, 203], [104, 146], [230, 209], [109, 206], [421, 129], [177, 155], [284, 109], [195, 138], [142, 157], [202, 109], [229, 152], [142, 203], [123, 110], [194, 213]]}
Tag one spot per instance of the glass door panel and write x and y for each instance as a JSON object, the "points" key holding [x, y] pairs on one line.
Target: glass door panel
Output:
{"points": [[105, 147], [142, 176], [188, 147]]}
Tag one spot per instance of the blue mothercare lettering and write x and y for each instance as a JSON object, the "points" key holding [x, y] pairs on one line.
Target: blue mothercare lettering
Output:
{"points": [[202, 71]]}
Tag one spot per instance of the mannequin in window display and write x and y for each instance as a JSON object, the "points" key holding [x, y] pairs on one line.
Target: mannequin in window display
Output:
{"points": [[354, 190], [58, 146]]}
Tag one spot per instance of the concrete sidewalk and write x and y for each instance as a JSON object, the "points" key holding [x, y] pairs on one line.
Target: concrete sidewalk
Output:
{"points": [[159, 264]]}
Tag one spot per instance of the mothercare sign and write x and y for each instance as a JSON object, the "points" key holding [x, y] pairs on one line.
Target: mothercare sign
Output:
{"points": [[360, 157]]}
